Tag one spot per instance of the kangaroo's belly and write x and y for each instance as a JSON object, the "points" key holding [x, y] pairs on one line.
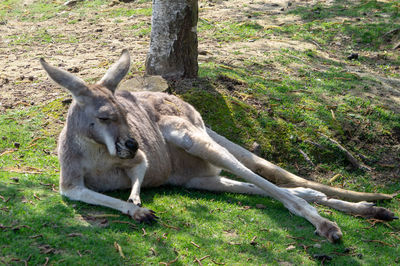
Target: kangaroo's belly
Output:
{"points": [[107, 179]]}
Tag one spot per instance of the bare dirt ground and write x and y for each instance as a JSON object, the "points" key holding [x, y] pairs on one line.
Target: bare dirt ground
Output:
{"points": [[96, 45]]}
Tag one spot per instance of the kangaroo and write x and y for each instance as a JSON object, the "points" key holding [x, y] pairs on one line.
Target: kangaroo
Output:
{"points": [[116, 140]]}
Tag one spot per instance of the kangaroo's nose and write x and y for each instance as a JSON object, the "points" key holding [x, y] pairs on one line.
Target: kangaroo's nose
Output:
{"points": [[132, 145]]}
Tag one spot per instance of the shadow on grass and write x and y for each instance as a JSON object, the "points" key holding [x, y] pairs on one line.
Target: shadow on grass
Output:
{"points": [[378, 19], [55, 229]]}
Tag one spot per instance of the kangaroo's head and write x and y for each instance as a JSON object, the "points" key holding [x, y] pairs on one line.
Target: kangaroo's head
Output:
{"points": [[99, 116]]}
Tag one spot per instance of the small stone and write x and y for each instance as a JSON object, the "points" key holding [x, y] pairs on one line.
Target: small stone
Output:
{"points": [[67, 101], [31, 78], [73, 69], [322, 257], [99, 30], [71, 3], [353, 56]]}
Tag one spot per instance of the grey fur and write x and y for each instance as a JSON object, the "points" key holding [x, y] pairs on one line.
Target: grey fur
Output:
{"points": [[174, 148]]}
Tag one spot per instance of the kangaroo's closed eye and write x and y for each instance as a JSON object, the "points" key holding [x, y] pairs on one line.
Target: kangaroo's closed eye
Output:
{"points": [[104, 119]]}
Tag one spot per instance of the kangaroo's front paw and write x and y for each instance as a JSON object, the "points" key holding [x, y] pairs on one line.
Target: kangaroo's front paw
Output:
{"points": [[144, 215], [330, 230]]}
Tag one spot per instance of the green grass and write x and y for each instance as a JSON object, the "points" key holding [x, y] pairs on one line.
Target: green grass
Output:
{"points": [[282, 102], [39, 224]]}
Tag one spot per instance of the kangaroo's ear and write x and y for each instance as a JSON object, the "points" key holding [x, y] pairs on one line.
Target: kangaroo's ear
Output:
{"points": [[74, 84], [117, 72]]}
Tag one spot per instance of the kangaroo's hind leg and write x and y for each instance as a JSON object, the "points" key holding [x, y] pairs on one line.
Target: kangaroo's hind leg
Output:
{"points": [[197, 142], [222, 184], [283, 178]]}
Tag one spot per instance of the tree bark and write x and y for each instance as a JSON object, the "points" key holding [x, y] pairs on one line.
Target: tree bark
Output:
{"points": [[173, 44]]}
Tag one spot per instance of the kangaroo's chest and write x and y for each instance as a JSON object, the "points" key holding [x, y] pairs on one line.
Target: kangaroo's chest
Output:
{"points": [[102, 172]]}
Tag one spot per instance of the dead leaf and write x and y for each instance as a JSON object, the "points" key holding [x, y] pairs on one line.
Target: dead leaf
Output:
{"points": [[333, 179], [290, 247]]}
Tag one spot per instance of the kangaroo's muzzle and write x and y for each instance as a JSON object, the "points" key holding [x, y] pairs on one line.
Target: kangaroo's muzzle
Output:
{"points": [[127, 149]]}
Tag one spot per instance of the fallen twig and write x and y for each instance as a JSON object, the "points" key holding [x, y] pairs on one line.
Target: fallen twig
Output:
{"points": [[170, 262], [18, 227], [308, 160], [32, 142], [8, 152], [46, 262], [373, 222], [194, 244], [295, 237], [170, 226], [125, 222], [202, 258], [377, 241], [218, 263], [349, 156], [103, 215], [197, 260], [144, 232], [119, 249], [27, 170], [317, 44], [315, 144]]}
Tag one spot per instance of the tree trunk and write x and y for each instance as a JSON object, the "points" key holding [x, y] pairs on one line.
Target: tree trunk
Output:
{"points": [[173, 44]]}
